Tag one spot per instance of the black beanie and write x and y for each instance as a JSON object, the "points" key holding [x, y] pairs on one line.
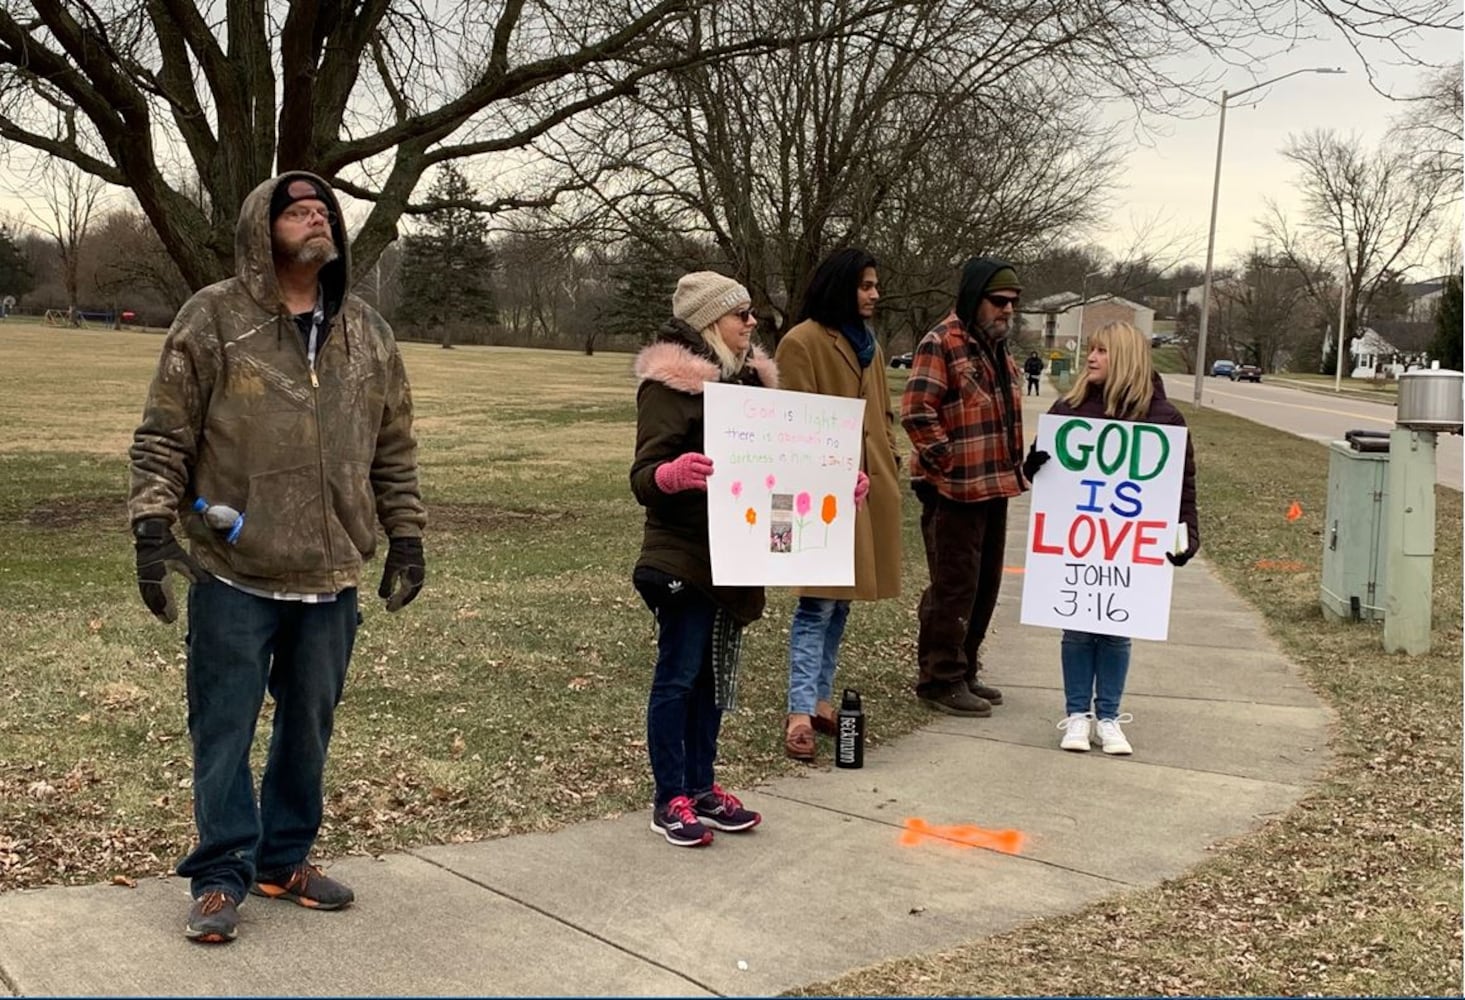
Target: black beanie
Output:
{"points": [[296, 188]]}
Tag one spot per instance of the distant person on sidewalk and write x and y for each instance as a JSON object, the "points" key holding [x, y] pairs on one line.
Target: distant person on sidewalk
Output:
{"points": [[281, 396], [1034, 368], [834, 351], [962, 408], [1118, 383], [699, 627]]}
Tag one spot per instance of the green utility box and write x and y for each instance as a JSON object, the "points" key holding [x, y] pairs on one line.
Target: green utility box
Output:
{"points": [[1354, 561], [1060, 369]]}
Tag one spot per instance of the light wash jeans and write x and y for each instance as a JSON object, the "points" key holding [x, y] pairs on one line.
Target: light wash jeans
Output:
{"points": [[813, 646], [1094, 668]]}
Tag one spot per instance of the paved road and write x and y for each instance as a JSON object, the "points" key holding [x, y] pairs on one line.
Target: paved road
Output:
{"points": [[1311, 415]]}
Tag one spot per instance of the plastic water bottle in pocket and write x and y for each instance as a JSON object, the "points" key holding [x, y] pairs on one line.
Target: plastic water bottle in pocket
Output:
{"points": [[221, 517]]}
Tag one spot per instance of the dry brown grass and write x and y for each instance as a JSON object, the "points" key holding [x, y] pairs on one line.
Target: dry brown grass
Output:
{"points": [[1357, 890]]}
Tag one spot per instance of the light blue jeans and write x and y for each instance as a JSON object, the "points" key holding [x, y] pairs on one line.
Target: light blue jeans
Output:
{"points": [[1094, 668], [813, 646]]}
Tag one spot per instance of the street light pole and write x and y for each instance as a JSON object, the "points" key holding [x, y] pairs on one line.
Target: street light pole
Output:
{"points": [[1205, 298], [1342, 331], [1083, 298]]}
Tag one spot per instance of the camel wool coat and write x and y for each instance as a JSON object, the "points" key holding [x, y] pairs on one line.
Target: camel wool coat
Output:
{"points": [[815, 358]]}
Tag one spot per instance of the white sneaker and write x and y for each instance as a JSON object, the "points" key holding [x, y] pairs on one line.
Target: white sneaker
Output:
{"points": [[1077, 730], [1111, 737]]}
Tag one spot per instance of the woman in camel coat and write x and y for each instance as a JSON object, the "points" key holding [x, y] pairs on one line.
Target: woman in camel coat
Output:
{"points": [[834, 352]]}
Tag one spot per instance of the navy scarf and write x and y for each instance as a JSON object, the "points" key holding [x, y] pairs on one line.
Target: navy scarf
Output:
{"points": [[862, 340]]}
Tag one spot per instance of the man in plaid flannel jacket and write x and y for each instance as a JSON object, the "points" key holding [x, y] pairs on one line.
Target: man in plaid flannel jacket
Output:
{"points": [[962, 408]]}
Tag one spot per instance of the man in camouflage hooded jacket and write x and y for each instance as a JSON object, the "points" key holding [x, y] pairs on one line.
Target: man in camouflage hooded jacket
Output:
{"points": [[282, 397]]}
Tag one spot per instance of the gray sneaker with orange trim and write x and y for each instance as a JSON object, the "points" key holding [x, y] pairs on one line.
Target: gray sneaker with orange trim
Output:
{"points": [[306, 885], [213, 918]]}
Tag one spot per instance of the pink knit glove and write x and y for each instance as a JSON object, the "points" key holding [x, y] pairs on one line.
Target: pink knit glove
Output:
{"points": [[686, 472], [862, 488]]}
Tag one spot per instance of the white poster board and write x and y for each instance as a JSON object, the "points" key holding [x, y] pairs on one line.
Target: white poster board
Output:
{"points": [[781, 497], [1105, 510]]}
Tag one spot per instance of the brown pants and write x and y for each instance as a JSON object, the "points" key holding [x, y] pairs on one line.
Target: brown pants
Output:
{"points": [[965, 545]]}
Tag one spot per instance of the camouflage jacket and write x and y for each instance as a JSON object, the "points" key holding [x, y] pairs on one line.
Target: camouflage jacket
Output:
{"points": [[237, 415]]}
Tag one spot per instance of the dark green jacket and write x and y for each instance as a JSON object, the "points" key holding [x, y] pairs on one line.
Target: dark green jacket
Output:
{"points": [[236, 415], [668, 424]]}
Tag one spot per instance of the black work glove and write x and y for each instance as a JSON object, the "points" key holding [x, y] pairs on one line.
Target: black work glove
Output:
{"points": [[1036, 460], [158, 552], [403, 573]]}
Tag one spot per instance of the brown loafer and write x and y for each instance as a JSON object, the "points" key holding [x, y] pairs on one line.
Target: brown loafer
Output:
{"points": [[798, 742], [825, 724]]}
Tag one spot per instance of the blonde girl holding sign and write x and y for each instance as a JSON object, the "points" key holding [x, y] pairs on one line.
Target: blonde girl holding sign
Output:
{"points": [[1118, 383]]}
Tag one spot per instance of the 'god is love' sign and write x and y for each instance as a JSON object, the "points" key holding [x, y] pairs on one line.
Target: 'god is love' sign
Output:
{"points": [[1105, 510]]}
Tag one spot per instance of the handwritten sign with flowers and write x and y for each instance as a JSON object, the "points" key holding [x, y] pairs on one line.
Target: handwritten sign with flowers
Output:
{"points": [[781, 498]]}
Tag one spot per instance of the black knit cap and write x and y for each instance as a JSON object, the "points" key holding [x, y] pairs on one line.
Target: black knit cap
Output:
{"points": [[295, 189]]}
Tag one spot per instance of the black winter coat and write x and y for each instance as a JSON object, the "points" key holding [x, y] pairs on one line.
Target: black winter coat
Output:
{"points": [[669, 407]]}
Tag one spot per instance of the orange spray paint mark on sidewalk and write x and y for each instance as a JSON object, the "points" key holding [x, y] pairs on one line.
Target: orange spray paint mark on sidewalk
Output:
{"points": [[1014, 569], [918, 831], [1295, 511]]}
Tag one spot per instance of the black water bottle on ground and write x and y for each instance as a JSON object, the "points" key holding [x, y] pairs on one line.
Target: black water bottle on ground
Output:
{"points": [[849, 739]]}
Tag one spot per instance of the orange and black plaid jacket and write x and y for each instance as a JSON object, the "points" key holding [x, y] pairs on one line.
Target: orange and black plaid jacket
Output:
{"points": [[967, 443]]}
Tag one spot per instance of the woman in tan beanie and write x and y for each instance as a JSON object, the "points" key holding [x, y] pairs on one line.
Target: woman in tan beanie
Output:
{"points": [[699, 626]]}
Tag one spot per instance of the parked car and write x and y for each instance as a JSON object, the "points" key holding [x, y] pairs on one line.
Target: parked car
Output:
{"points": [[1222, 368], [902, 360], [1161, 339], [1246, 373]]}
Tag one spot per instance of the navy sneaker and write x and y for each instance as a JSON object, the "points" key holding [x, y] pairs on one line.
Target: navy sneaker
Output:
{"points": [[721, 811], [677, 822], [306, 885], [213, 918]]}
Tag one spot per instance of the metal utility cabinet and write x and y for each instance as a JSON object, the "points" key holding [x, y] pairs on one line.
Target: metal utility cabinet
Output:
{"points": [[1355, 542]]}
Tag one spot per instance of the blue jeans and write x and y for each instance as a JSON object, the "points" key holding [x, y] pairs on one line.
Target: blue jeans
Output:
{"points": [[1094, 668], [239, 647], [682, 717], [813, 646]]}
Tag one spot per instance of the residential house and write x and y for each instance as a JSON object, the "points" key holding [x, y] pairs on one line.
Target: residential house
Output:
{"points": [[1056, 317]]}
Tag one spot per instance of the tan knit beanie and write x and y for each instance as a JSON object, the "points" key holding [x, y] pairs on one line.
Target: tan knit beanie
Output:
{"points": [[704, 296]]}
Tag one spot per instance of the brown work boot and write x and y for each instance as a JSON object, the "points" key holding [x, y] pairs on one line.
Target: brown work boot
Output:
{"points": [[957, 700], [991, 694]]}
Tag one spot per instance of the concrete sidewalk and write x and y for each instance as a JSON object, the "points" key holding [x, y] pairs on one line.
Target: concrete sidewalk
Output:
{"points": [[1226, 734]]}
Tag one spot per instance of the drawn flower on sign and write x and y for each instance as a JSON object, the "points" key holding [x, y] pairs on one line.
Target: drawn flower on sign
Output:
{"points": [[828, 511], [737, 488], [769, 481], [751, 516], [802, 503]]}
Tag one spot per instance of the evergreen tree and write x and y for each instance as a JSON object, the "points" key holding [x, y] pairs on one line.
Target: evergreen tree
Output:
{"points": [[1446, 348], [448, 266], [642, 281], [16, 277]]}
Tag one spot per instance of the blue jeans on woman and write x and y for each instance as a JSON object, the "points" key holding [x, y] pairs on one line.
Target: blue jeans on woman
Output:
{"points": [[682, 717], [813, 646], [239, 647], [1094, 668]]}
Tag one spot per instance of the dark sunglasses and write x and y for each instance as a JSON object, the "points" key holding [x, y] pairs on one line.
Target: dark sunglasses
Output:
{"points": [[744, 314], [1002, 301]]}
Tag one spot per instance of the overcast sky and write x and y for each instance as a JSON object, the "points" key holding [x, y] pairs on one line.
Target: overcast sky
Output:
{"points": [[1167, 185], [1172, 181]]}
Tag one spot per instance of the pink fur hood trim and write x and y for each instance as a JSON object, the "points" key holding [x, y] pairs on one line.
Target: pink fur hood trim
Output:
{"points": [[678, 368]]}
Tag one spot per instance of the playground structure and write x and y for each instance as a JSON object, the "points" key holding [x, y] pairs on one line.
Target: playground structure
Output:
{"points": [[84, 319]]}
